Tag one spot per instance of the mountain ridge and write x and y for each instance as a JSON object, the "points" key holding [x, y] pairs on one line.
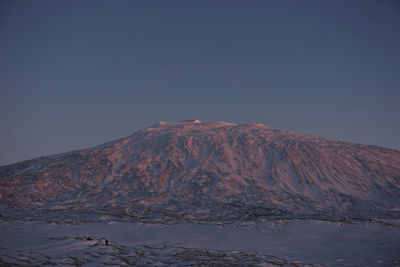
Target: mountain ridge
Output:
{"points": [[210, 171]]}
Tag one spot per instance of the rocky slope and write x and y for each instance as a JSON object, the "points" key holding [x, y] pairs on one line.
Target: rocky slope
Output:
{"points": [[206, 171]]}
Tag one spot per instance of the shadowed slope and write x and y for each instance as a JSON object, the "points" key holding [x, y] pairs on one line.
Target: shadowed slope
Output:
{"points": [[219, 170]]}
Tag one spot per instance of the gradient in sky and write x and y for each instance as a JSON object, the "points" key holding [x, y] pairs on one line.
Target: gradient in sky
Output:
{"points": [[75, 74]]}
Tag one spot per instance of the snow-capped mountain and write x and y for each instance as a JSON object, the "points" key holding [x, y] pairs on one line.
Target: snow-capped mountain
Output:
{"points": [[206, 171]]}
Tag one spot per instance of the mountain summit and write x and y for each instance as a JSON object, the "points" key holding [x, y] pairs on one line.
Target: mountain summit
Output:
{"points": [[206, 171]]}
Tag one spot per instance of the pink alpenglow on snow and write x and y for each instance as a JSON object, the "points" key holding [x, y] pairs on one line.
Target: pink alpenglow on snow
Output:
{"points": [[200, 193], [193, 170]]}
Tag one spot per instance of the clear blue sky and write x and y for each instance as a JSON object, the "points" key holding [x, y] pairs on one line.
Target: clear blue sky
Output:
{"points": [[75, 74]]}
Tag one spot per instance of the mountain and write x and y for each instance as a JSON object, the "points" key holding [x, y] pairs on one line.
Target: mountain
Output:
{"points": [[215, 171]]}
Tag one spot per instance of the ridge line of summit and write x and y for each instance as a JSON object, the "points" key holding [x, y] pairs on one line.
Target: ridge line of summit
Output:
{"points": [[201, 123]]}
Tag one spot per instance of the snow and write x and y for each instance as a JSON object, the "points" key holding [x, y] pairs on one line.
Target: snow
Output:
{"points": [[198, 192], [301, 241], [192, 121]]}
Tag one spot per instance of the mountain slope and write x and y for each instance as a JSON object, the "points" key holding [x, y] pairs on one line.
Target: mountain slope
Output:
{"points": [[207, 171]]}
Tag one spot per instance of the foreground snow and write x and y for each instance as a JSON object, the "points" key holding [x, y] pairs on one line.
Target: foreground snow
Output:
{"points": [[290, 243]]}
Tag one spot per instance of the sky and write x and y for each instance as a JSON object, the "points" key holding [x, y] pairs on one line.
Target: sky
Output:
{"points": [[75, 74]]}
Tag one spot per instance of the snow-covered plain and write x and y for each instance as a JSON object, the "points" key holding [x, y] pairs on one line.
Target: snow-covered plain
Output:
{"points": [[288, 243]]}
